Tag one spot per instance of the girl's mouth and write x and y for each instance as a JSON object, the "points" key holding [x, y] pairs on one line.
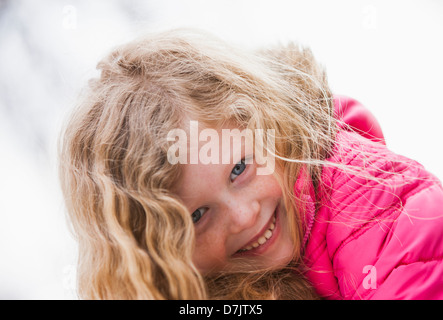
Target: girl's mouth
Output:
{"points": [[262, 241]]}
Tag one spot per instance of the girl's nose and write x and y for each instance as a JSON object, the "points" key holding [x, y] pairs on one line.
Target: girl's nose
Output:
{"points": [[242, 214]]}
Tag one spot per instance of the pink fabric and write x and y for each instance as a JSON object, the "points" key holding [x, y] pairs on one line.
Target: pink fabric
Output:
{"points": [[352, 113], [373, 239]]}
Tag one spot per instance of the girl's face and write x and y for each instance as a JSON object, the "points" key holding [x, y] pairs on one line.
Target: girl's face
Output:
{"points": [[236, 213]]}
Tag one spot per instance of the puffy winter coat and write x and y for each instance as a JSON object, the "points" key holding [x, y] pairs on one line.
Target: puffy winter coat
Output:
{"points": [[373, 238]]}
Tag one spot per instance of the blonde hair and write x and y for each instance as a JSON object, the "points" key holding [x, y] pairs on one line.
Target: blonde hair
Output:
{"points": [[135, 236]]}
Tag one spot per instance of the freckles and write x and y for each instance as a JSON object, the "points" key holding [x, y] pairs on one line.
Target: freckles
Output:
{"points": [[210, 247], [267, 186]]}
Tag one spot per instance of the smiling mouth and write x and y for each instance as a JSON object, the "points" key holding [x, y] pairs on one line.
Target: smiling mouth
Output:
{"points": [[261, 240]]}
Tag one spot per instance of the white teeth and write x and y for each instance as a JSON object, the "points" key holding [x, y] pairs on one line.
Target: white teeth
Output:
{"points": [[267, 235]]}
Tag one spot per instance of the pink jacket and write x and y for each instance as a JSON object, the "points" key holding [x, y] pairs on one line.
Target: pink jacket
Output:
{"points": [[370, 239]]}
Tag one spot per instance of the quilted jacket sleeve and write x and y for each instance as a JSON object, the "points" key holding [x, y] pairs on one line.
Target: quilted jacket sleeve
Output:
{"points": [[376, 239], [384, 238], [410, 262]]}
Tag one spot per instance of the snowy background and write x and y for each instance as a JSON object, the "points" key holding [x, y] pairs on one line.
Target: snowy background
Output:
{"points": [[387, 54]]}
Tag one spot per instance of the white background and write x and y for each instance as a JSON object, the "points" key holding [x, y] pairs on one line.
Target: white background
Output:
{"points": [[386, 54]]}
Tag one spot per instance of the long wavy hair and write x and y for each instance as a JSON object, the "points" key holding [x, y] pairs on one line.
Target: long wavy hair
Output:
{"points": [[135, 236]]}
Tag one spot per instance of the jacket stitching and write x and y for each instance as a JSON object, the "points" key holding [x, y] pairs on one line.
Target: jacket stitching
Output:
{"points": [[370, 223]]}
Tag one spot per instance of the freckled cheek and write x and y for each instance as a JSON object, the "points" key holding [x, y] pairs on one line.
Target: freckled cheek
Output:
{"points": [[267, 186], [210, 252]]}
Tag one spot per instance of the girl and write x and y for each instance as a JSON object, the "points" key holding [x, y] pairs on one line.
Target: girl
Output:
{"points": [[338, 216]]}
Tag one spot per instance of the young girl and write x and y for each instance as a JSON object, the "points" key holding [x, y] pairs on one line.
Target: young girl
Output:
{"points": [[337, 215]]}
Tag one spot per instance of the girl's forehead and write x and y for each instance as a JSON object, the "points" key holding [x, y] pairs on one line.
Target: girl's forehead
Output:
{"points": [[201, 144], [199, 180]]}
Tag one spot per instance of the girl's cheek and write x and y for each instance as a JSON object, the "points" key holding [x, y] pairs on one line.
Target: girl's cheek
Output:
{"points": [[207, 249], [266, 186]]}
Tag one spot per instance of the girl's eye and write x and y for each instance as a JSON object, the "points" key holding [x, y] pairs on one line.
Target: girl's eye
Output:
{"points": [[238, 169], [198, 214]]}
